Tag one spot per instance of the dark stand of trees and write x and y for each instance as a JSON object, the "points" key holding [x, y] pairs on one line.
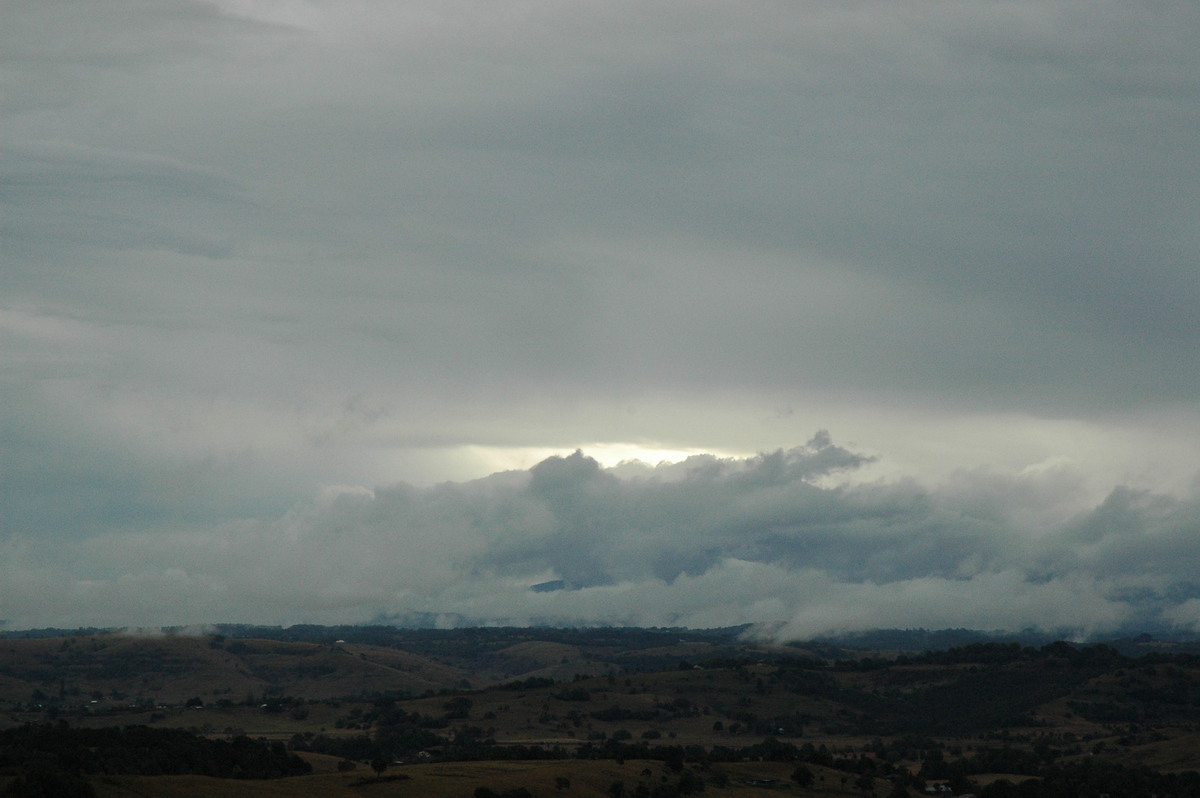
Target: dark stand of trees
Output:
{"points": [[44, 753]]}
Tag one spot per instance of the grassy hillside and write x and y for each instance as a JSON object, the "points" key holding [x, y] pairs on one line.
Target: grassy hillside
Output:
{"points": [[119, 670]]}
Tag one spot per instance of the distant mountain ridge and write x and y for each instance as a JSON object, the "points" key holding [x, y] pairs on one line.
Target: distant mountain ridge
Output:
{"points": [[430, 639]]}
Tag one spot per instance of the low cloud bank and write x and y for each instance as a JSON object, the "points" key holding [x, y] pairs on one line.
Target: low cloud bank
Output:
{"points": [[786, 540]]}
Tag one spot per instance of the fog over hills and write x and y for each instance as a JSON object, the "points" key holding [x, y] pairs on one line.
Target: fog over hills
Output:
{"points": [[786, 541]]}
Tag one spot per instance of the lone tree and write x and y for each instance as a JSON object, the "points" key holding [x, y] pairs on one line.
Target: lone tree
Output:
{"points": [[379, 764]]}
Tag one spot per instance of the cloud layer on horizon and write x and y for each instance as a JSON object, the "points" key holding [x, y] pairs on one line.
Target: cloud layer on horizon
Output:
{"points": [[782, 540]]}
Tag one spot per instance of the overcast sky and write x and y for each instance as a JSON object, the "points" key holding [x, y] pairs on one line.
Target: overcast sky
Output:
{"points": [[318, 311]]}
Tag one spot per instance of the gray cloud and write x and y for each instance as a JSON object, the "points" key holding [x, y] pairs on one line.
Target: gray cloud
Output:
{"points": [[69, 197], [707, 541], [254, 248]]}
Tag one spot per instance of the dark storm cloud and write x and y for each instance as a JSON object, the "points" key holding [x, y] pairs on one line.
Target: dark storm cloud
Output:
{"points": [[766, 510], [606, 529]]}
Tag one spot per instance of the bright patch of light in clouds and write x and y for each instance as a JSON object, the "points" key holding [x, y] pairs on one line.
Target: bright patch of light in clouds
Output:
{"points": [[490, 460]]}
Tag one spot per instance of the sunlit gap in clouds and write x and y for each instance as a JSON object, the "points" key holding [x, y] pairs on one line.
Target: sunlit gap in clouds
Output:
{"points": [[608, 454], [425, 467]]}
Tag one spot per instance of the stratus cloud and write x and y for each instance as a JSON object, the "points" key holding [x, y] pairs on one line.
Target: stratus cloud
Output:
{"points": [[253, 247], [704, 542], [326, 241]]}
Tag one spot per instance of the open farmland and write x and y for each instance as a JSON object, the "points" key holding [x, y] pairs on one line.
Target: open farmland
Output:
{"points": [[660, 712]]}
